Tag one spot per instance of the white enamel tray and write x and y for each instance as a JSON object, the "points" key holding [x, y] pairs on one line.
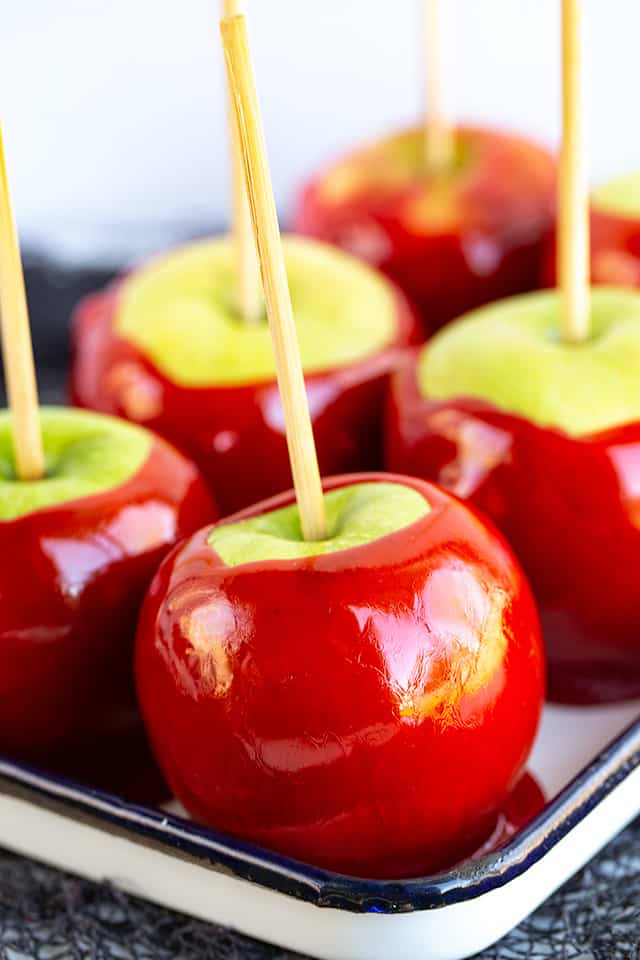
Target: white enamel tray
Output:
{"points": [[586, 759]]}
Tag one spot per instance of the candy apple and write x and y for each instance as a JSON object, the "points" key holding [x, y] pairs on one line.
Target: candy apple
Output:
{"points": [[452, 241], [615, 232], [79, 549], [167, 348], [363, 703], [615, 235], [544, 437]]}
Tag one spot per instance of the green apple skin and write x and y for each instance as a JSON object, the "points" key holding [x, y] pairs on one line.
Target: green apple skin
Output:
{"points": [[181, 312], [86, 454], [80, 547], [511, 355], [167, 349], [356, 515], [620, 195]]}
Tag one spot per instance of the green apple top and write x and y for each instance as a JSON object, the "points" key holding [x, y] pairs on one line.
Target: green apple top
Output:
{"points": [[180, 312], [356, 514], [86, 454], [510, 354], [620, 196]]}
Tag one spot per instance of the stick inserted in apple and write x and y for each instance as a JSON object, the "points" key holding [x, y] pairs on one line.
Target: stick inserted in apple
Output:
{"points": [[351, 674], [89, 505], [182, 346], [530, 410], [167, 348], [457, 216]]}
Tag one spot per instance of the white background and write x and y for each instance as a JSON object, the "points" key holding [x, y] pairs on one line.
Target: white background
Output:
{"points": [[114, 109]]}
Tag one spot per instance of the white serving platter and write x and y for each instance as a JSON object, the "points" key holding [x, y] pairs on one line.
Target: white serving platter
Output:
{"points": [[586, 759]]}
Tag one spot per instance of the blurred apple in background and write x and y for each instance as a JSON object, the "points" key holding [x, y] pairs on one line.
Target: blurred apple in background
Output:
{"points": [[452, 240]]}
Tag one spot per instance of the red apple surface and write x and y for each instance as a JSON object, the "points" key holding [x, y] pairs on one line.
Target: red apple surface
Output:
{"points": [[567, 504], [73, 577], [235, 431], [452, 242], [366, 710]]}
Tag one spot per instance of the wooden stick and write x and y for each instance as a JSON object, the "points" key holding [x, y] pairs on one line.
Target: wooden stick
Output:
{"points": [[232, 8], [249, 289], [439, 135], [17, 351], [302, 451], [573, 212]]}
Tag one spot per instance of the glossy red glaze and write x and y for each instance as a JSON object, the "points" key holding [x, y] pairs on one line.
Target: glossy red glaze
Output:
{"points": [[615, 251], [525, 802], [72, 582], [342, 709], [235, 434], [485, 244], [570, 507]]}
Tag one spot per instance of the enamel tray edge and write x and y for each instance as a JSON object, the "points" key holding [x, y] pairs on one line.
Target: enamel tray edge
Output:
{"points": [[190, 868]]}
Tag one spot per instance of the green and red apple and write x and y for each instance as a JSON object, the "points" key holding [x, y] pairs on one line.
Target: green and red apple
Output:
{"points": [[544, 436], [167, 347], [615, 231], [452, 240], [80, 546], [614, 235]]}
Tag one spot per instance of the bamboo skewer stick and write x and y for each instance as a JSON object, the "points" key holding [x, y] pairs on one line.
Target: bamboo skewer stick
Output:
{"points": [[249, 290], [302, 451], [17, 351], [439, 136], [573, 212]]}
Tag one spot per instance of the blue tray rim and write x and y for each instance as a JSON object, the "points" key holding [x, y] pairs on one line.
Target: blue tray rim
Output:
{"points": [[216, 851]]}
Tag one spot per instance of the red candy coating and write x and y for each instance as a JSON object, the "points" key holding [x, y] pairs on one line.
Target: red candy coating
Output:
{"points": [[72, 581], [452, 244], [569, 506], [235, 434], [366, 711]]}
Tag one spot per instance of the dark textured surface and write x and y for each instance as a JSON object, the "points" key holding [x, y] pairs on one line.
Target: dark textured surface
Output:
{"points": [[48, 915], [51, 916], [52, 293]]}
